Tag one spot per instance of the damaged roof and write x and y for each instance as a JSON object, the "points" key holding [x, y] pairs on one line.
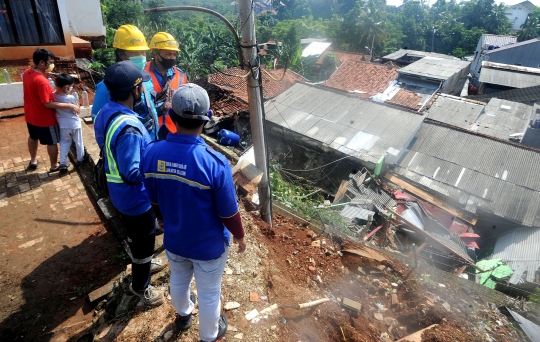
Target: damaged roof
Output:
{"points": [[356, 127], [499, 118], [223, 101], [520, 246], [343, 56], [274, 84], [439, 69], [476, 171], [368, 78]]}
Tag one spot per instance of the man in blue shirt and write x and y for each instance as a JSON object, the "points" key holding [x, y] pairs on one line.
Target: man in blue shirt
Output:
{"points": [[130, 45], [193, 186], [123, 138]]}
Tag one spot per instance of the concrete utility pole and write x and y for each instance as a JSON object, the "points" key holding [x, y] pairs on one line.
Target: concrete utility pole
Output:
{"points": [[249, 50]]}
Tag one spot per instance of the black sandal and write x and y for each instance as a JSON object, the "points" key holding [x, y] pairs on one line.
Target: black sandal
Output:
{"points": [[33, 166], [54, 169]]}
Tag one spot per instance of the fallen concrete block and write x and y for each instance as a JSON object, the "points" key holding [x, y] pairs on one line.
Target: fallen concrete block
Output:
{"points": [[351, 304], [394, 299], [231, 306], [252, 314], [378, 316]]}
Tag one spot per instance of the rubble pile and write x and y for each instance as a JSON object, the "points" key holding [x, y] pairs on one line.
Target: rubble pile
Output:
{"points": [[359, 294]]}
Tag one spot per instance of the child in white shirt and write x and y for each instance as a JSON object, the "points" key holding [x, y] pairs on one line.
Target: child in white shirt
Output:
{"points": [[68, 121]]}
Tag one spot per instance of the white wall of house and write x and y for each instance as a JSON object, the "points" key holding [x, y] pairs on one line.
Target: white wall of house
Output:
{"points": [[85, 18], [12, 95], [517, 16]]}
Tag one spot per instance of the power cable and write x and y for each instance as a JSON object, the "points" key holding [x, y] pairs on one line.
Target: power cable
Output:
{"points": [[319, 167], [245, 22]]}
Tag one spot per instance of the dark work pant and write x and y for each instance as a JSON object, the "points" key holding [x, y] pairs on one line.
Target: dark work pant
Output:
{"points": [[141, 231]]}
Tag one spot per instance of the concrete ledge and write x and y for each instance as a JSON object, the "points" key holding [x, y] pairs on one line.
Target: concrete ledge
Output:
{"points": [[12, 95]]}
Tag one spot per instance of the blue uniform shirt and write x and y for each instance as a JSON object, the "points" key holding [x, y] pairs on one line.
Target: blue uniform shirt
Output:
{"points": [[130, 199], [193, 186], [102, 96]]}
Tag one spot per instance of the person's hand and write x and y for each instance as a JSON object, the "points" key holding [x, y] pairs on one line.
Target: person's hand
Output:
{"points": [[241, 244], [75, 108]]}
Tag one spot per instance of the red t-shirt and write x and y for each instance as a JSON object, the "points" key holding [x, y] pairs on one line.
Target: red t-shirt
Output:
{"points": [[37, 91]]}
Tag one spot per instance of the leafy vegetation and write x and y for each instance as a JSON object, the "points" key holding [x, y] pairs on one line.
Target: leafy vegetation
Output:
{"points": [[304, 198], [363, 26]]}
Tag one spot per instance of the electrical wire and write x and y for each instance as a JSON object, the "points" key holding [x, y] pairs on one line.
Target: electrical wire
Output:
{"points": [[232, 75], [319, 167]]}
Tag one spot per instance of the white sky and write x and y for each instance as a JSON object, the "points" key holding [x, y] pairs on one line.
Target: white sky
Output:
{"points": [[508, 2]]}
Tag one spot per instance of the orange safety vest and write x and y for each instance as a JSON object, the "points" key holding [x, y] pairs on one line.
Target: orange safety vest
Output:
{"points": [[178, 79]]}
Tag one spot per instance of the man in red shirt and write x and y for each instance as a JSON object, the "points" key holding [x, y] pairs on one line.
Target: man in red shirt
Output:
{"points": [[39, 109]]}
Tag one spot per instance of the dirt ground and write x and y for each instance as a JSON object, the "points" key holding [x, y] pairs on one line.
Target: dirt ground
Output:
{"points": [[54, 246], [288, 265]]}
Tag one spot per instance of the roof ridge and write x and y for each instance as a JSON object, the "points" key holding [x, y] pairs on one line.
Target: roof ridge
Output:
{"points": [[508, 142]]}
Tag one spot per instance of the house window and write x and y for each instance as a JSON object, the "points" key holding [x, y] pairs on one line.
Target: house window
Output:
{"points": [[30, 22]]}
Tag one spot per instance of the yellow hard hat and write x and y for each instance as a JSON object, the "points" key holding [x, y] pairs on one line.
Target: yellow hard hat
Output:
{"points": [[129, 37], [164, 41]]}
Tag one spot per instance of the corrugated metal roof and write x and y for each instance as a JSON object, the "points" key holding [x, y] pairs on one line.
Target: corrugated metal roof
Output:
{"points": [[315, 49], [499, 118], [509, 78], [524, 95], [477, 171], [357, 127], [454, 111], [513, 46], [435, 68], [531, 330], [403, 52], [351, 212], [496, 40], [520, 246]]}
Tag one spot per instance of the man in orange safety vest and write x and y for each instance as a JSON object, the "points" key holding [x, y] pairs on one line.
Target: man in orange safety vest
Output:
{"points": [[166, 78]]}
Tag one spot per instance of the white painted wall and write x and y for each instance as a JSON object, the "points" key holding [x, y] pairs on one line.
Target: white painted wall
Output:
{"points": [[85, 18], [517, 16], [12, 95]]}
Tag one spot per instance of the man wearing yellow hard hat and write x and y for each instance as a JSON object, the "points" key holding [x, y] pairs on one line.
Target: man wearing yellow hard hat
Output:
{"points": [[131, 45], [166, 77]]}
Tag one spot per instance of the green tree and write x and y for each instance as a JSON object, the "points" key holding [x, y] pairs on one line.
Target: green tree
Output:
{"points": [[531, 28], [161, 20], [120, 12]]}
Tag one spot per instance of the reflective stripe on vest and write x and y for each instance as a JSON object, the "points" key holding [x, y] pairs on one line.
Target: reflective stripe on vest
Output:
{"points": [[113, 176], [178, 78]]}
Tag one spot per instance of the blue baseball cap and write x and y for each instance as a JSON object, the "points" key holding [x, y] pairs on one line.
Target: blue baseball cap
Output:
{"points": [[124, 75]]}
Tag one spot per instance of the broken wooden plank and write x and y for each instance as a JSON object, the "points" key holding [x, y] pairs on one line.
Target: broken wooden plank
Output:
{"points": [[425, 196], [341, 191], [417, 336], [366, 253], [101, 292], [373, 232]]}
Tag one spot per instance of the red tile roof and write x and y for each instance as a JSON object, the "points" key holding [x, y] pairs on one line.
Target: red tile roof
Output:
{"points": [[228, 93], [406, 98], [222, 102], [273, 85], [370, 78], [343, 56]]}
